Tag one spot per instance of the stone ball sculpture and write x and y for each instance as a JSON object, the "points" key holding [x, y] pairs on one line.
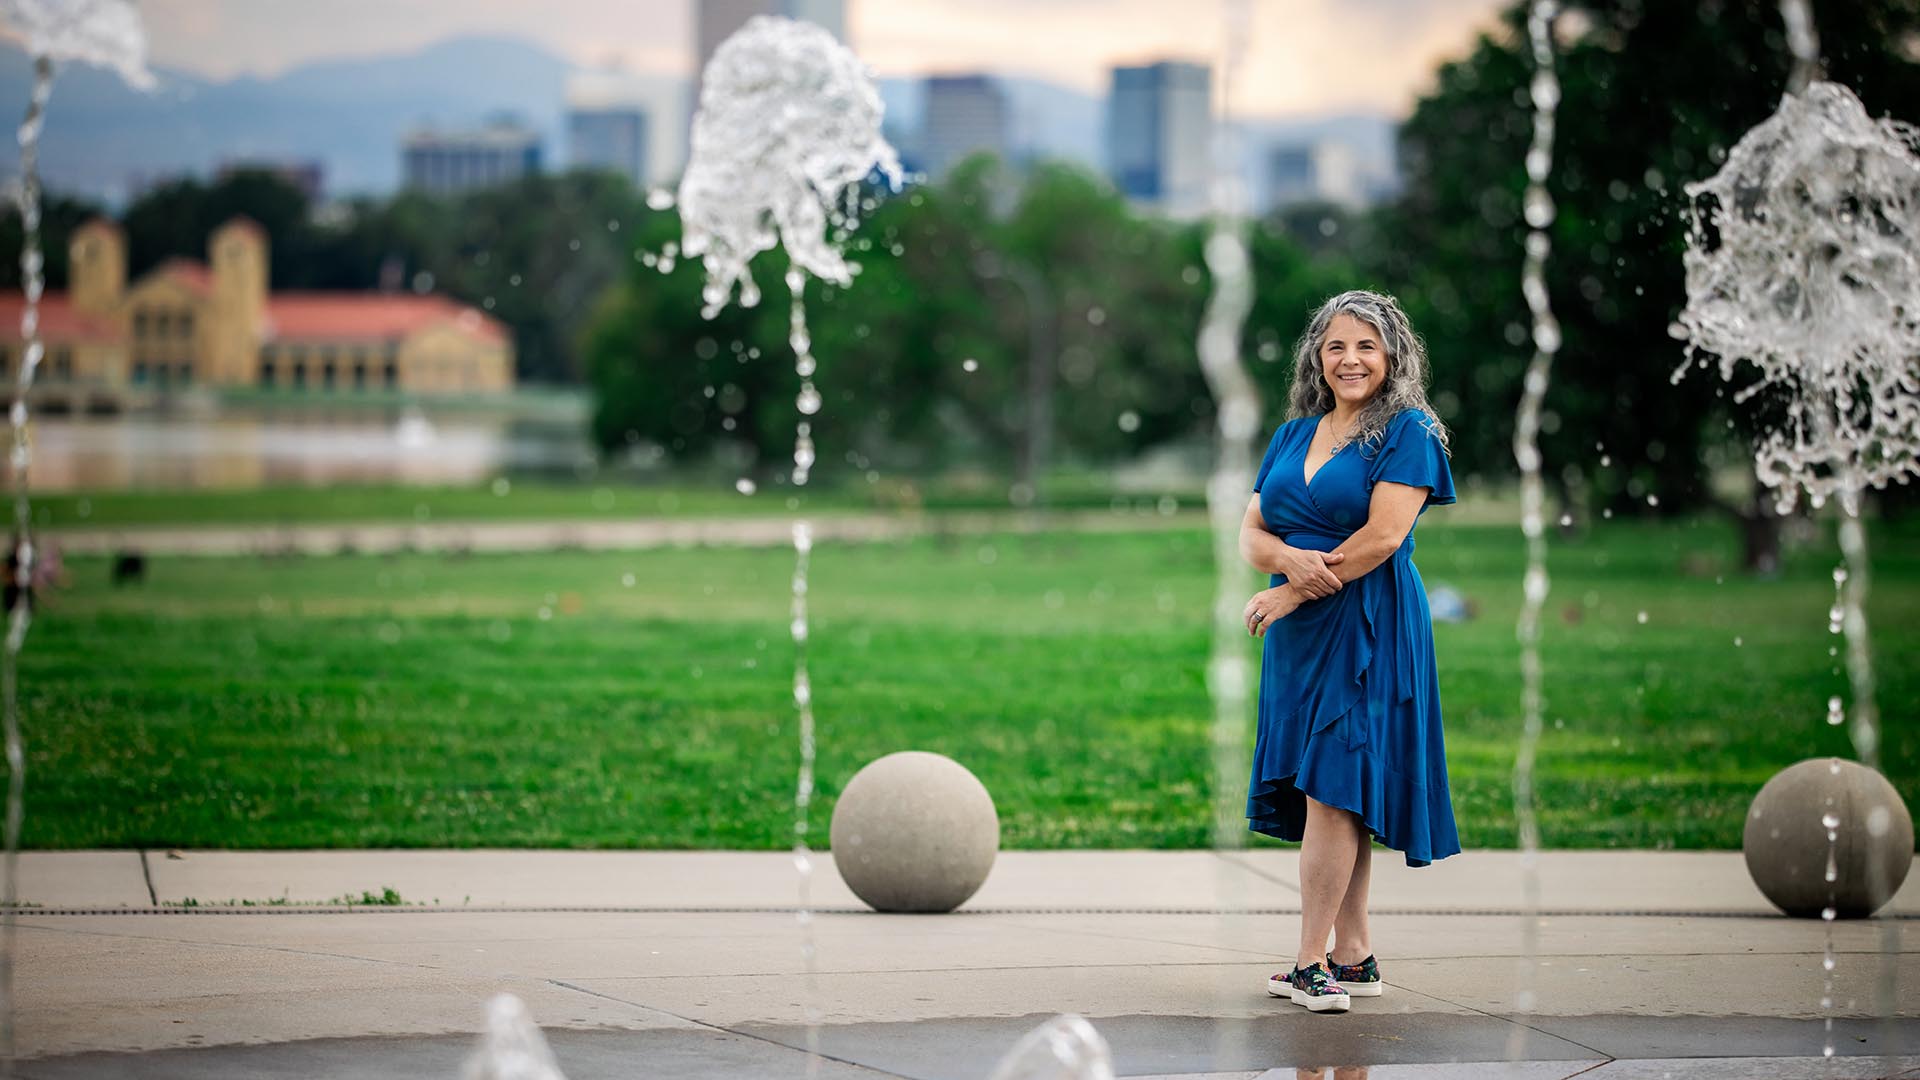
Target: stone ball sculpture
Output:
{"points": [[1789, 853], [914, 832]]}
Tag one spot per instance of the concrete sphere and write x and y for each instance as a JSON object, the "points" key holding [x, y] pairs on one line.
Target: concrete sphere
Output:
{"points": [[914, 831], [1787, 847]]}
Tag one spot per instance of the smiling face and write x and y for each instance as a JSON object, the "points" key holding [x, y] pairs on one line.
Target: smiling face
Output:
{"points": [[1353, 361]]}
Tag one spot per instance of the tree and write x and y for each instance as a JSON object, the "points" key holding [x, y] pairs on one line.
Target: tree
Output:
{"points": [[60, 215], [1653, 95]]}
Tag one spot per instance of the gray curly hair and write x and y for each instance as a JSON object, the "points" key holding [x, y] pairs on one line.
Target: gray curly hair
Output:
{"points": [[1406, 383]]}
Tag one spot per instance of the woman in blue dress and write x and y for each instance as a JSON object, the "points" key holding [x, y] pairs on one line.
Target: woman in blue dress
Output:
{"points": [[1350, 747]]}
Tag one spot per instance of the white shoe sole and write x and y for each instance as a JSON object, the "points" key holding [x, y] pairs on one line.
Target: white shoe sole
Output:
{"points": [[1365, 989], [1324, 1003]]}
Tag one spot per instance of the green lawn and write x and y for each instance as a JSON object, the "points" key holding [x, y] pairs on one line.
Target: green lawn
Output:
{"points": [[541, 700]]}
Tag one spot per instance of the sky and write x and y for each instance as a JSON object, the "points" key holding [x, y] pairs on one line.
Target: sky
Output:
{"points": [[1301, 56]]}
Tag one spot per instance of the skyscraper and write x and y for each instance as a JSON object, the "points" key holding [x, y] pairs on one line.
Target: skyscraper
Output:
{"points": [[1159, 123], [1323, 171], [661, 102], [612, 138], [966, 114], [445, 162]]}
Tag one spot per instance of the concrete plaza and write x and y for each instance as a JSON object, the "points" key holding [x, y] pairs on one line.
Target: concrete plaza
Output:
{"points": [[670, 964]]}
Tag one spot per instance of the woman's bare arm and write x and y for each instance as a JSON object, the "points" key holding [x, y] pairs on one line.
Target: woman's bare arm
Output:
{"points": [[1260, 548], [1390, 517], [1269, 554]]}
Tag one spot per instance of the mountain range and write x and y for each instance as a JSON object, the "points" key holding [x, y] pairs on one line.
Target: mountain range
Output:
{"points": [[105, 141]]}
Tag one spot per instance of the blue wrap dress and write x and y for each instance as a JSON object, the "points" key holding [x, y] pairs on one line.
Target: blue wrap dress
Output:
{"points": [[1349, 696]]}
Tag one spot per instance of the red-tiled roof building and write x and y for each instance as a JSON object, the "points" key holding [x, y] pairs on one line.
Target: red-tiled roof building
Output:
{"points": [[187, 323]]}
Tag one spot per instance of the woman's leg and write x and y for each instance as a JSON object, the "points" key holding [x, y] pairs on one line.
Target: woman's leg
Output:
{"points": [[1327, 852], [1352, 940]]}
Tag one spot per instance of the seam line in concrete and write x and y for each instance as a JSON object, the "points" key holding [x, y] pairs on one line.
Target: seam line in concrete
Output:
{"points": [[1590, 1068], [146, 872], [289, 950], [721, 1028], [1505, 1019], [1257, 872]]}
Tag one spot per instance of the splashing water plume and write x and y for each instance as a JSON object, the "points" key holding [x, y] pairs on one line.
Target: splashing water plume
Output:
{"points": [[1801, 266], [105, 33], [513, 1047], [788, 127], [1064, 1048], [1526, 451], [789, 124], [1238, 411], [1237, 406]]}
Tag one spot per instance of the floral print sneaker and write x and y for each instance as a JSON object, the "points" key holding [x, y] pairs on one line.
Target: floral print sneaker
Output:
{"points": [[1313, 987], [1359, 980]]}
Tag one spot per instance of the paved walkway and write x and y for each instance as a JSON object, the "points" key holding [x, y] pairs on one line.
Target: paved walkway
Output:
{"points": [[689, 964]]}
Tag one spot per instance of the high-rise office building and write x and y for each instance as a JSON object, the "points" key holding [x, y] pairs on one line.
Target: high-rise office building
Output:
{"points": [[1323, 171], [609, 126], [612, 138], [965, 114], [661, 103], [445, 162], [1159, 127]]}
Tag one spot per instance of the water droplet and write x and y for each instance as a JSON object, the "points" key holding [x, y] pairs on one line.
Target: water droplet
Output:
{"points": [[1836, 713], [626, 580], [1879, 820], [1641, 618], [1830, 819], [1828, 914], [1539, 208], [745, 486], [809, 400], [969, 365], [1129, 421]]}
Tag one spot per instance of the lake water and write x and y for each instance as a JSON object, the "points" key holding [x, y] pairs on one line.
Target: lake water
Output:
{"points": [[256, 447]]}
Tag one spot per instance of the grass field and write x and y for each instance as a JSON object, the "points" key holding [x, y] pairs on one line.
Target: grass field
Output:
{"points": [[550, 500], [642, 699]]}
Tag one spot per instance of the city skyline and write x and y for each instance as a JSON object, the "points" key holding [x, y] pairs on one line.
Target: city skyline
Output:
{"points": [[1303, 57]]}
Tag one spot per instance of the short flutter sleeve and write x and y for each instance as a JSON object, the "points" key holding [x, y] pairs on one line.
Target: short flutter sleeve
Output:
{"points": [[1411, 453], [1266, 463]]}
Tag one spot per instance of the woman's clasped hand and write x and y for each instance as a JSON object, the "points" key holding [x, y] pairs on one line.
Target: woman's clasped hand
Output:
{"points": [[1309, 575], [1267, 607], [1310, 572]]}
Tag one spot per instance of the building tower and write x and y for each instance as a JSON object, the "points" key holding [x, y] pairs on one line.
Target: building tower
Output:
{"points": [[230, 346], [966, 114], [1159, 129], [97, 262]]}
